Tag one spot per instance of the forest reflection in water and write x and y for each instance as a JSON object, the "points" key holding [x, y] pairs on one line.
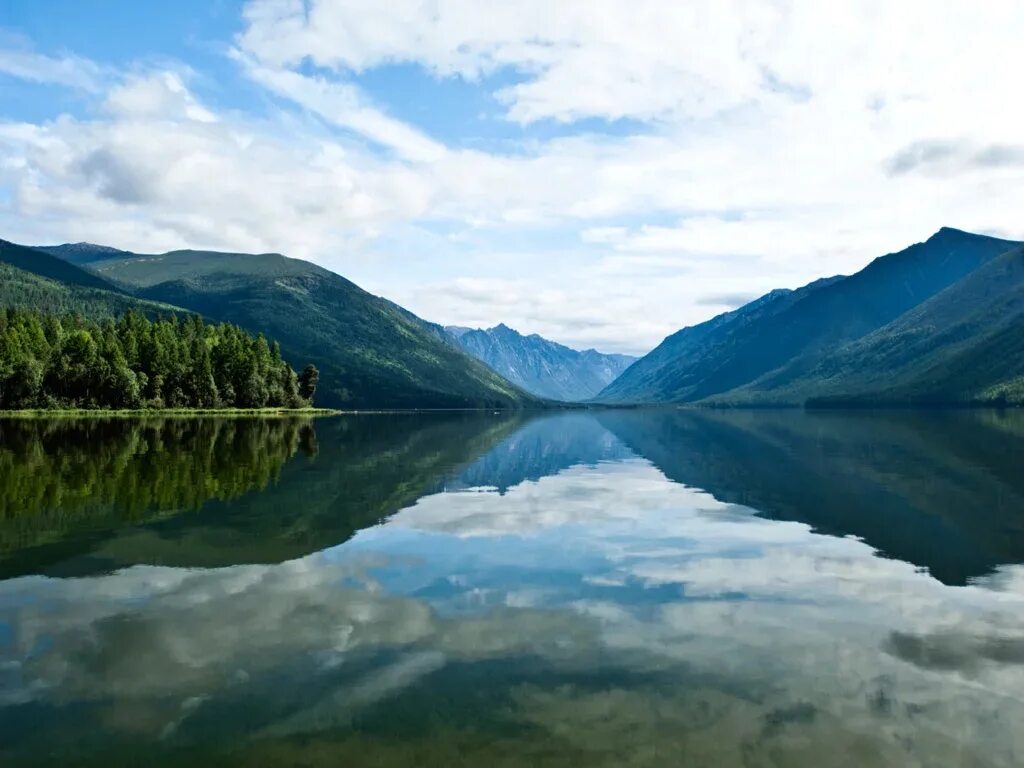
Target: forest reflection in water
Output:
{"points": [[87, 495], [606, 588], [59, 477]]}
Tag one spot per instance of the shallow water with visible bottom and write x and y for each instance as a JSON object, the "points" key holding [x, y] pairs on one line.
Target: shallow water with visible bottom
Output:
{"points": [[607, 588]]}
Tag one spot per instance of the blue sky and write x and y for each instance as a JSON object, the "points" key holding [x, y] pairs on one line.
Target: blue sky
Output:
{"points": [[601, 173]]}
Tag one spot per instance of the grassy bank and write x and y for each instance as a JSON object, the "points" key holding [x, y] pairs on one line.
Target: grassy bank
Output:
{"points": [[165, 412]]}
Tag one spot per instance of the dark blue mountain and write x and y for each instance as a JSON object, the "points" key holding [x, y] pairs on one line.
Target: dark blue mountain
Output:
{"points": [[755, 354]]}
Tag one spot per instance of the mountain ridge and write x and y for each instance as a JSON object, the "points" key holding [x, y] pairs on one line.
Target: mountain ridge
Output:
{"points": [[939, 347], [371, 353], [81, 252], [541, 366], [28, 282], [45, 264], [940, 322], [711, 362]]}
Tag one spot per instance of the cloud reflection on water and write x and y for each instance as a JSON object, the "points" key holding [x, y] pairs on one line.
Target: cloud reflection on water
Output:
{"points": [[657, 615]]}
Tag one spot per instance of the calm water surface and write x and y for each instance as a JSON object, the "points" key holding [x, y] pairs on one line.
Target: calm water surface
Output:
{"points": [[622, 588]]}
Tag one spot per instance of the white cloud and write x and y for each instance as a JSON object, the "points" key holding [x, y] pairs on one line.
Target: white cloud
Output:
{"points": [[68, 71], [610, 59], [645, 58], [344, 105], [160, 95], [574, 308], [161, 170], [766, 145]]}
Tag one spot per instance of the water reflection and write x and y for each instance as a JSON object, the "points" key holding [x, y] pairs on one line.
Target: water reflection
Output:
{"points": [[87, 496], [556, 591], [942, 490], [140, 466], [63, 480]]}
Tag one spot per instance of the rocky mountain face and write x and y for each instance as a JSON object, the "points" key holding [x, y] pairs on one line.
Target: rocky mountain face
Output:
{"points": [[545, 368]]}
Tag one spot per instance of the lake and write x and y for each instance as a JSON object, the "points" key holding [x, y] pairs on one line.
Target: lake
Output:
{"points": [[606, 588]]}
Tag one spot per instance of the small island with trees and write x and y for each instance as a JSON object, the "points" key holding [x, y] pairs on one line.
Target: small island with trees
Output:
{"points": [[64, 362]]}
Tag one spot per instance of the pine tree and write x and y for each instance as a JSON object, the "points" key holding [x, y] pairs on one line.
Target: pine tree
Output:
{"points": [[308, 382]]}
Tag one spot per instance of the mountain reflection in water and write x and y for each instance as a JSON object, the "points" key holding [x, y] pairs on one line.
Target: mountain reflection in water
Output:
{"points": [[598, 588]]}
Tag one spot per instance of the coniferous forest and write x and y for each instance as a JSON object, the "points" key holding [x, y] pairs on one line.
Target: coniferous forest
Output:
{"points": [[52, 361]]}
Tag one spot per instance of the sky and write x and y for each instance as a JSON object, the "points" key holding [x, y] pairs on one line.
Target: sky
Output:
{"points": [[601, 172]]}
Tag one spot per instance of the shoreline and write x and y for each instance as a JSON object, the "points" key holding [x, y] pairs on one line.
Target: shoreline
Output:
{"points": [[44, 413]]}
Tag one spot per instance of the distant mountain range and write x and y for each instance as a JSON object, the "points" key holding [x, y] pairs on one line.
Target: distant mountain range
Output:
{"points": [[371, 353], [545, 368], [939, 323]]}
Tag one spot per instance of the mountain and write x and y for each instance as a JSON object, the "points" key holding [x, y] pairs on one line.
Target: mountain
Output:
{"points": [[726, 359], [965, 344], [676, 367], [83, 253], [371, 353], [32, 280], [47, 265], [545, 368], [542, 447]]}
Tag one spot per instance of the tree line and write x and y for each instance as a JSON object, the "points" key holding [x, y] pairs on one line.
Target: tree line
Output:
{"points": [[54, 361]]}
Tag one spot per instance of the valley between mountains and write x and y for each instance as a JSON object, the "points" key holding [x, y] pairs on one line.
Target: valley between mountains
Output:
{"points": [[937, 324]]}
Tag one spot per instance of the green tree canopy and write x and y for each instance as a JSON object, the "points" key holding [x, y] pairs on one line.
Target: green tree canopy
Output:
{"points": [[65, 361]]}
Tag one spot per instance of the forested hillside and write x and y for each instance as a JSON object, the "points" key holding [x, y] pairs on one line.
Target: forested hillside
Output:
{"points": [[371, 352], [34, 280], [47, 265], [21, 289]]}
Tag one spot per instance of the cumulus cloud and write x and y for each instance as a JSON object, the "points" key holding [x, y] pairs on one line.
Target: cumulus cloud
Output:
{"points": [[645, 59], [158, 95], [605, 59], [162, 171], [703, 149]]}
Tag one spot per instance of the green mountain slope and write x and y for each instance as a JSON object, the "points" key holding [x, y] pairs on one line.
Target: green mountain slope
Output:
{"points": [[47, 265], [777, 330], [371, 353], [964, 345], [83, 253], [74, 291]]}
